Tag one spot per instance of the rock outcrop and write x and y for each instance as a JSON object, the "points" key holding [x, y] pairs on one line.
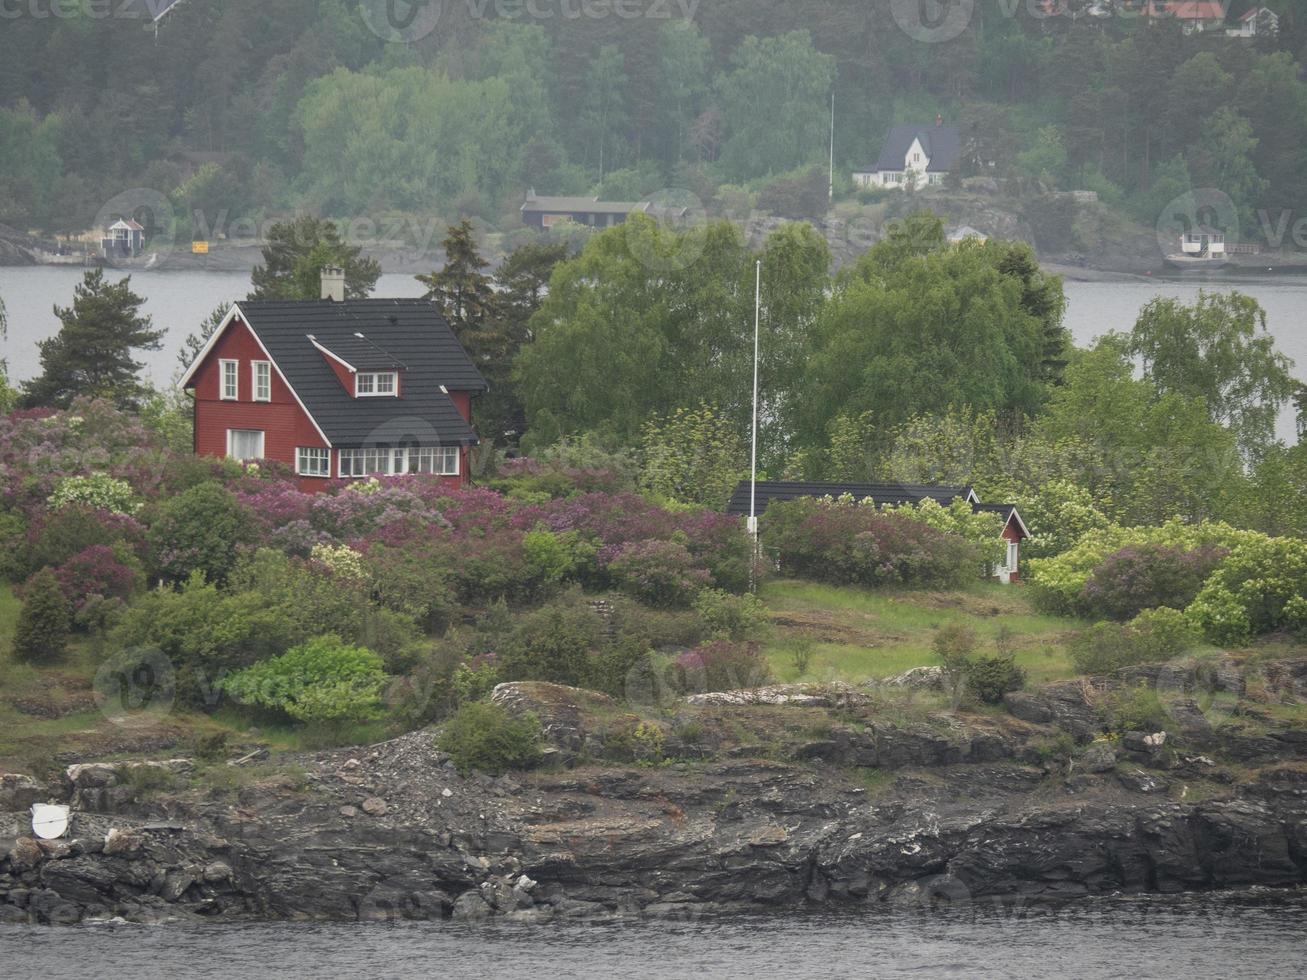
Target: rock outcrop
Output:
{"points": [[808, 804]]}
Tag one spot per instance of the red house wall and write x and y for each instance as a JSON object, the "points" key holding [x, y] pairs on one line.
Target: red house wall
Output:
{"points": [[285, 425], [1012, 533]]}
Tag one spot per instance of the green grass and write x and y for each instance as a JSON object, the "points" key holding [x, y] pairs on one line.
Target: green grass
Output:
{"points": [[864, 633]]}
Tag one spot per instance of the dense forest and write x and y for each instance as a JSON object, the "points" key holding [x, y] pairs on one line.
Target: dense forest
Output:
{"points": [[243, 111]]}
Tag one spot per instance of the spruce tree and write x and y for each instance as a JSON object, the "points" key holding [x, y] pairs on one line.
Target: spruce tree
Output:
{"points": [[92, 352], [43, 623], [295, 255], [461, 290]]}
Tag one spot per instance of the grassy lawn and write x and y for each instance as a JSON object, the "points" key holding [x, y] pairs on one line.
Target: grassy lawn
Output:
{"points": [[865, 633]]}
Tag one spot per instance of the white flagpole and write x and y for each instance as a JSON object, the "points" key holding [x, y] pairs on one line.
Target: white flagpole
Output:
{"points": [[753, 463], [831, 190]]}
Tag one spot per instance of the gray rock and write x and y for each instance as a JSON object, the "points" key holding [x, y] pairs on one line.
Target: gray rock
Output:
{"points": [[470, 906], [1098, 757]]}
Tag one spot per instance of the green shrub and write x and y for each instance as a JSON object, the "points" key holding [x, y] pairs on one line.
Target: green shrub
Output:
{"points": [[484, 737], [324, 681], [989, 678], [952, 646], [553, 643], [412, 580], [660, 573], [1135, 709], [553, 558], [1105, 648], [731, 617], [200, 530], [44, 622], [1167, 632], [1261, 586]]}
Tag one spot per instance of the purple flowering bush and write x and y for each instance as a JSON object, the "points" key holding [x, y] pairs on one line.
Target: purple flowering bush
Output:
{"points": [[855, 545], [720, 666], [1146, 576], [99, 571], [662, 574]]}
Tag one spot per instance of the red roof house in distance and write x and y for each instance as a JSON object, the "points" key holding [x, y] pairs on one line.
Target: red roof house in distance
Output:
{"points": [[338, 389]]}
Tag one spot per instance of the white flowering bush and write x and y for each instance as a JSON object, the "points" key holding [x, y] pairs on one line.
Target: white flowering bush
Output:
{"points": [[342, 560], [98, 490], [983, 529], [1260, 586]]}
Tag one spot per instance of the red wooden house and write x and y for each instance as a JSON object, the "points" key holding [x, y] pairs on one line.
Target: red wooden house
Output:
{"points": [[338, 389]]}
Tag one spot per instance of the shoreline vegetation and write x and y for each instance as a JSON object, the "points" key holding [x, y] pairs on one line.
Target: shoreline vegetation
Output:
{"points": [[575, 690]]}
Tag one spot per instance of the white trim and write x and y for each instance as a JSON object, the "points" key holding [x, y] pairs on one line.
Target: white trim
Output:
{"points": [[223, 363], [375, 376], [335, 357], [1020, 523], [213, 340], [263, 444], [218, 331], [312, 449], [254, 381]]}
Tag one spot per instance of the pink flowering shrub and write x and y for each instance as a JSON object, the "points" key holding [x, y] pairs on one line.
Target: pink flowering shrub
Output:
{"points": [[855, 545], [1146, 576], [99, 571], [658, 573], [720, 666], [58, 535]]}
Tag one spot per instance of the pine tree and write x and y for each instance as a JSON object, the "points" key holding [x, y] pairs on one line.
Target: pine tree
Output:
{"points": [[42, 633], [460, 289], [295, 255], [92, 352]]}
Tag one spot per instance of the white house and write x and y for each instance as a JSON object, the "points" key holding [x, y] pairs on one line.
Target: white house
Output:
{"points": [[912, 156], [1257, 22]]}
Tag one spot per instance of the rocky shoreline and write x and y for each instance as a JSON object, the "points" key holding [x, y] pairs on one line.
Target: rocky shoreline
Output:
{"points": [[814, 796]]}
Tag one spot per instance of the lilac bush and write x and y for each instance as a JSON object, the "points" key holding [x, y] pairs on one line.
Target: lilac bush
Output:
{"points": [[1146, 576], [848, 544]]}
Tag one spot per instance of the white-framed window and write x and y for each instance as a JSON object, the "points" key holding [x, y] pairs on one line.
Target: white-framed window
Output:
{"points": [[262, 380], [1012, 556], [399, 461], [372, 384], [310, 461], [245, 443], [230, 380], [365, 462]]}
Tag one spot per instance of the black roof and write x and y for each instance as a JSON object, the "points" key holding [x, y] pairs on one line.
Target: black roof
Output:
{"points": [[882, 494], [409, 334], [361, 353], [941, 143]]}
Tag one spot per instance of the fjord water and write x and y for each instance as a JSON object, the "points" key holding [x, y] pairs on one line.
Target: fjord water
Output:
{"points": [[1199, 937], [179, 301]]}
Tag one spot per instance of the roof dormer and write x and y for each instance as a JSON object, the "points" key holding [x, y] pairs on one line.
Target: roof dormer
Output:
{"points": [[364, 369]]}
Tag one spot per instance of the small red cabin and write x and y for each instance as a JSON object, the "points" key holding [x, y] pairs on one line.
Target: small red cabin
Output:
{"points": [[338, 389]]}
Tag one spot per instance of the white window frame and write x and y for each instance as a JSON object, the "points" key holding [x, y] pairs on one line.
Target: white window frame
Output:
{"points": [[1012, 556], [224, 365], [356, 464], [374, 380], [263, 444], [264, 395], [372, 461], [306, 454]]}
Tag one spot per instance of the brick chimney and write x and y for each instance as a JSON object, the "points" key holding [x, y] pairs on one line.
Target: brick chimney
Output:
{"points": [[333, 283], [939, 120]]}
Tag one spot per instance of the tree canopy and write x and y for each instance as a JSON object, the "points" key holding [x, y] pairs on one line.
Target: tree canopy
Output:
{"points": [[92, 354]]}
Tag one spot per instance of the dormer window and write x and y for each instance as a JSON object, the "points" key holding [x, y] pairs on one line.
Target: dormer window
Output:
{"points": [[373, 384]]}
